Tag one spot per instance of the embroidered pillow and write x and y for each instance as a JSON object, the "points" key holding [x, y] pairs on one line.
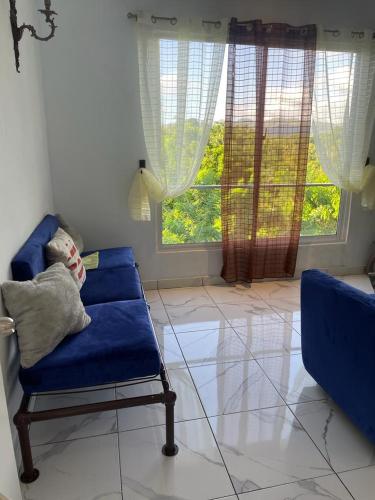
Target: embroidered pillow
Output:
{"points": [[62, 249], [72, 232], [45, 310]]}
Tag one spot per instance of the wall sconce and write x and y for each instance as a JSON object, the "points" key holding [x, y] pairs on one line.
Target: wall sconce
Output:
{"points": [[17, 31]]}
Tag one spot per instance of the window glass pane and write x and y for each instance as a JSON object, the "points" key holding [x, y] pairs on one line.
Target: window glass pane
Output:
{"points": [[320, 210], [213, 159], [315, 171], [194, 217]]}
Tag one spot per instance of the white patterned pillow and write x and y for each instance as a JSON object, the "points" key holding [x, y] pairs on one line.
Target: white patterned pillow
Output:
{"points": [[72, 232], [62, 249]]}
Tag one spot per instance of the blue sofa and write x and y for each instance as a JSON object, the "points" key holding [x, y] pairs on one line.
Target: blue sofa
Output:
{"points": [[338, 344], [118, 346]]}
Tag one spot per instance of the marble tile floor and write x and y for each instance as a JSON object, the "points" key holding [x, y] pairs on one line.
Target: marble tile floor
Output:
{"points": [[251, 424]]}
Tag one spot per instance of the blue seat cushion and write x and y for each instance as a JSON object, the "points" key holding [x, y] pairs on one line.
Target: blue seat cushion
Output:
{"points": [[31, 259], [117, 346], [109, 285], [114, 257]]}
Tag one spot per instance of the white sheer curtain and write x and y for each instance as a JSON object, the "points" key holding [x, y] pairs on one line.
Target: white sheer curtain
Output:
{"points": [[344, 109], [180, 67]]}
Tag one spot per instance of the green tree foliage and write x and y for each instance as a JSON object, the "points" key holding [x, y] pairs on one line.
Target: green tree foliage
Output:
{"points": [[195, 217]]}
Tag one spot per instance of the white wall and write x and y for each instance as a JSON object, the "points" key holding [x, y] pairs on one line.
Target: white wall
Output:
{"points": [[95, 130], [25, 194]]}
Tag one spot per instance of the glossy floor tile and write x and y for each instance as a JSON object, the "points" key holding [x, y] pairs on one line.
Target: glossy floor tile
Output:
{"points": [[277, 289], [196, 473], [188, 405], [360, 281], [360, 482], [266, 448], [160, 320], [320, 488], [153, 298], [343, 445], [170, 351], [271, 339], [297, 326], [256, 312], [63, 429], [234, 387], [190, 319], [84, 469], [288, 308], [212, 346], [235, 294], [189, 297], [291, 380]]}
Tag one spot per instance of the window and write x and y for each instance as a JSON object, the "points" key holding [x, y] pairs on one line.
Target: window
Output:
{"points": [[195, 217]]}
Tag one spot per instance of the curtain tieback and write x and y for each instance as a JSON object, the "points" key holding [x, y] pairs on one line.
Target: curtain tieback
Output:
{"points": [[145, 186], [368, 187]]}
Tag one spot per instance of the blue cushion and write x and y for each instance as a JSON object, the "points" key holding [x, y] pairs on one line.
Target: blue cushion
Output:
{"points": [[109, 285], [338, 344], [114, 257], [31, 259], [118, 345]]}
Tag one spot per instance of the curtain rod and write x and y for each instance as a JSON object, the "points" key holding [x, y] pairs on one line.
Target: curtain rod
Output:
{"points": [[172, 20], [217, 24]]}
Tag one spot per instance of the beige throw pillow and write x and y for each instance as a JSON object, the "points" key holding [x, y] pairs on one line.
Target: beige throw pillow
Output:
{"points": [[62, 249], [45, 310], [72, 231]]}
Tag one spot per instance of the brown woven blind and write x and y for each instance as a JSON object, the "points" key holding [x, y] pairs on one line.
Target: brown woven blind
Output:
{"points": [[267, 133]]}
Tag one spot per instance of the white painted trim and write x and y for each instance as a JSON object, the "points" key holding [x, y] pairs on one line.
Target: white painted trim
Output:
{"points": [[217, 280]]}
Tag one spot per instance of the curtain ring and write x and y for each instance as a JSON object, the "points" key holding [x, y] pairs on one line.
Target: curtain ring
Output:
{"points": [[173, 20], [336, 33], [303, 31], [218, 24], [153, 19]]}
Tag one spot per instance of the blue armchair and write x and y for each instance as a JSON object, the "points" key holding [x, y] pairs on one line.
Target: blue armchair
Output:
{"points": [[338, 344]]}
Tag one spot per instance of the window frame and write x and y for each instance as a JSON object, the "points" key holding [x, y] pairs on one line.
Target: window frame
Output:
{"points": [[341, 235]]}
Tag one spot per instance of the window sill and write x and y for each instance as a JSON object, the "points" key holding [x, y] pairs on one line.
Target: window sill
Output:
{"points": [[340, 238], [209, 247]]}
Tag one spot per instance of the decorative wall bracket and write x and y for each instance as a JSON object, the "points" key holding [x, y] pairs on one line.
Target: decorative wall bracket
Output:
{"points": [[18, 31]]}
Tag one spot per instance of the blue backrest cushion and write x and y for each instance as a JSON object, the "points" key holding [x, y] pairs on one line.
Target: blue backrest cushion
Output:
{"points": [[330, 305], [31, 258]]}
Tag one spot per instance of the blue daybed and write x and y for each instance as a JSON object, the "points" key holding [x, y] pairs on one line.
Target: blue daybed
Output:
{"points": [[338, 344], [118, 346]]}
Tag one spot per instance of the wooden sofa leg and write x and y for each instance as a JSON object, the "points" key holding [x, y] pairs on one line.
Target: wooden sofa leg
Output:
{"points": [[170, 449], [22, 422]]}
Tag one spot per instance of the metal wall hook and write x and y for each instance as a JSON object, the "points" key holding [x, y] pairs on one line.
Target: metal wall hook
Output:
{"points": [[18, 31], [172, 20], [215, 24]]}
